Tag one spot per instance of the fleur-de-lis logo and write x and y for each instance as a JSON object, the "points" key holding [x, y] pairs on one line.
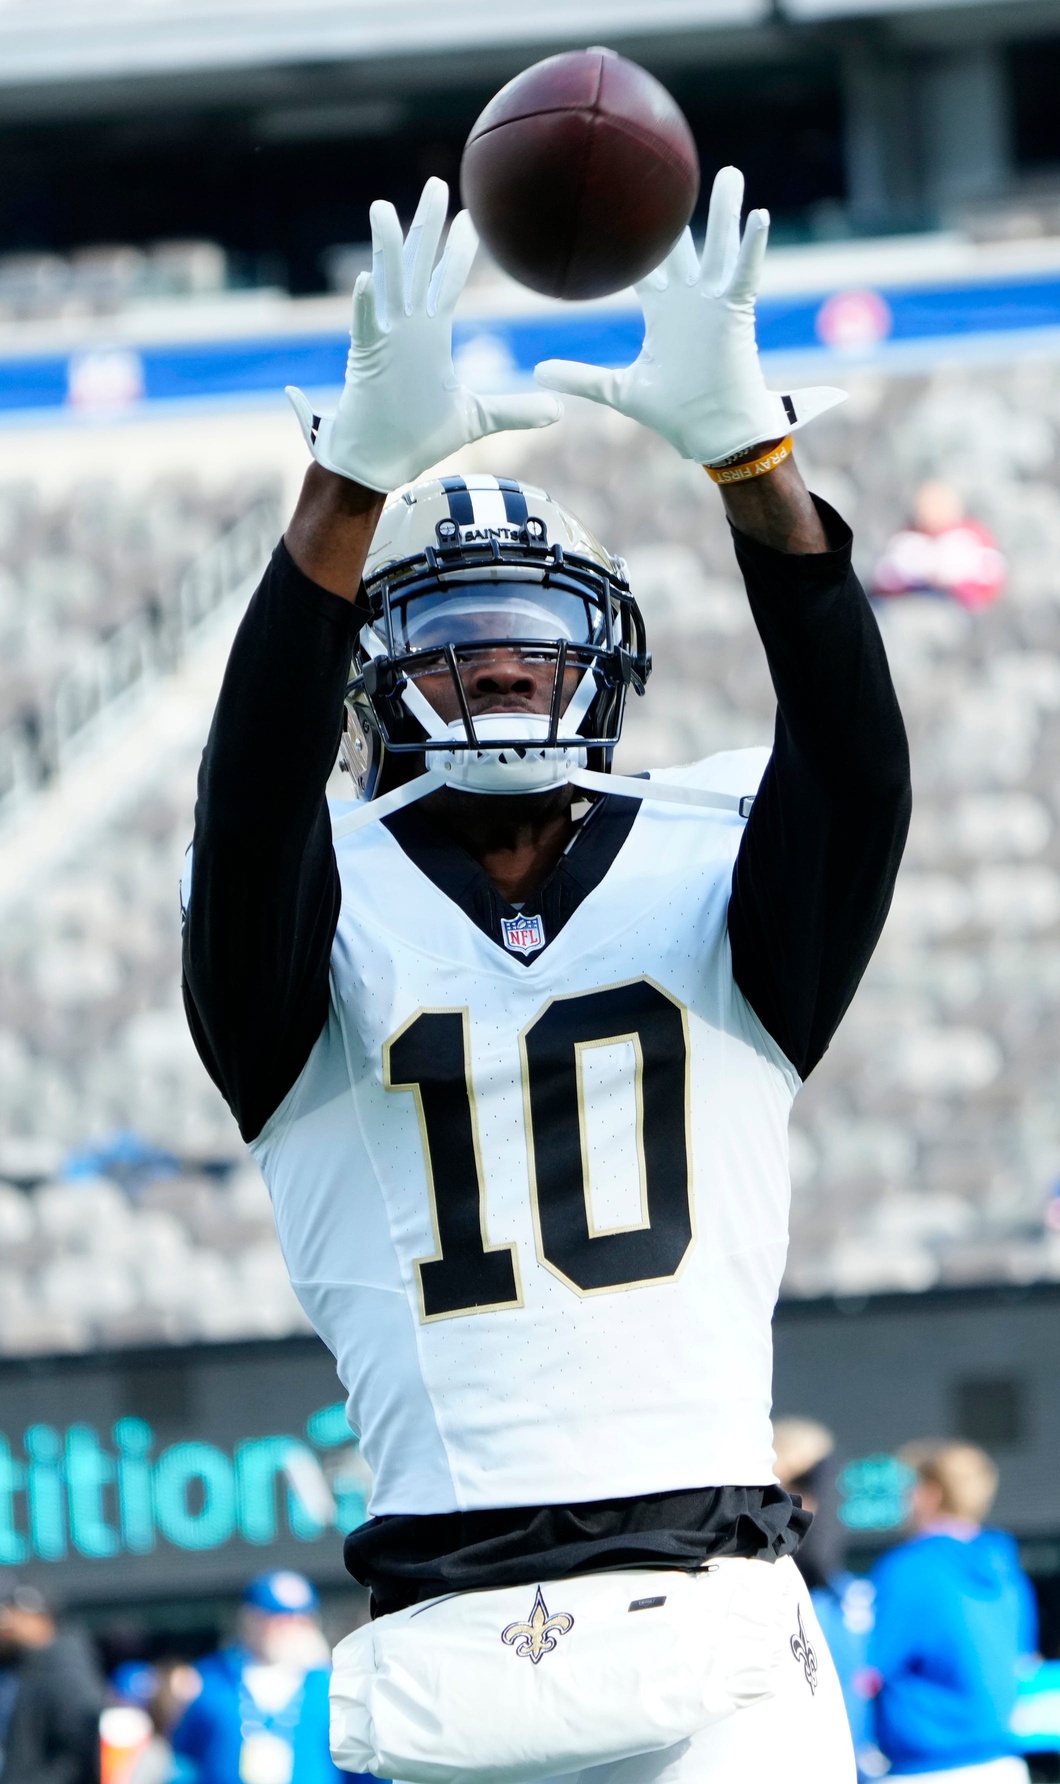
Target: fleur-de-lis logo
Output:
{"points": [[537, 1637], [803, 1651]]}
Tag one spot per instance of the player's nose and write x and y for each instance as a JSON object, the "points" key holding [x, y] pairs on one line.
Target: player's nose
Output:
{"points": [[503, 672]]}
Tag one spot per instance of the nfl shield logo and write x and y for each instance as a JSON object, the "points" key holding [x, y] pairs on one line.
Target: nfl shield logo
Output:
{"points": [[523, 934]]}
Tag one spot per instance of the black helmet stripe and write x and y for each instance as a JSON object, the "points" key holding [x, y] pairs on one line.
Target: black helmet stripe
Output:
{"points": [[461, 507], [514, 501], [462, 501]]}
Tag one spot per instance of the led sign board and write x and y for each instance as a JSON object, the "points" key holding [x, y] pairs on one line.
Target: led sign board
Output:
{"points": [[883, 1371], [874, 1493], [148, 1473]]}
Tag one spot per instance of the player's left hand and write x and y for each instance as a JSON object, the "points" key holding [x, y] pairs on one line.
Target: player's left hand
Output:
{"points": [[403, 406], [698, 381]]}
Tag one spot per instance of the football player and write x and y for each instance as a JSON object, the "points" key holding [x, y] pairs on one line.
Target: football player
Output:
{"points": [[514, 1041]]}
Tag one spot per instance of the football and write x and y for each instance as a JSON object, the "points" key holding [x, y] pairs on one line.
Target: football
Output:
{"points": [[580, 174]]}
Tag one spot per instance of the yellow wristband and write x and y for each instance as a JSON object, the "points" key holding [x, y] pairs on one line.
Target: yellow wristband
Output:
{"points": [[752, 467]]}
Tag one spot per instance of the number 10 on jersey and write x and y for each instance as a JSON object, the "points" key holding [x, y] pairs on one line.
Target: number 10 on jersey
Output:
{"points": [[429, 1057]]}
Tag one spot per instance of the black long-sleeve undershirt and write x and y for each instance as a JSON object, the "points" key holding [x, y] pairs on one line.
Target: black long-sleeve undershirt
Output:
{"points": [[261, 921], [813, 877], [817, 864]]}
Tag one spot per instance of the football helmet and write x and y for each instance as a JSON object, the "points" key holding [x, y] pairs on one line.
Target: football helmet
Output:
{"points": [[460, 568]]}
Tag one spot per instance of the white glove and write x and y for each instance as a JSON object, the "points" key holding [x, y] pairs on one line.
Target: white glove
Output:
{"points": [[698, 381], [403, 407]]}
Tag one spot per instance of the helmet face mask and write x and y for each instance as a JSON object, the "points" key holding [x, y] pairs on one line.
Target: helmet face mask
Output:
{"points": [[450, 609]]}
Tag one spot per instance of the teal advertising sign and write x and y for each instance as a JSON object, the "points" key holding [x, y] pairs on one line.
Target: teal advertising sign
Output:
{"points": [[153, 1472], [874, 1493]]}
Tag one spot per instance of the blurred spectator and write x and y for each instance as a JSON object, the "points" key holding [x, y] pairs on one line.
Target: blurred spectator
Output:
{"points": [[54, 1698], [955, 1616], [124, 1158], [261, 1714], [133, 1744], [942, 553], [805, 1463], [177, 1685]]}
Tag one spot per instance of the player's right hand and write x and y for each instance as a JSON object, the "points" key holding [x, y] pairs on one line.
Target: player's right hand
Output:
{"points": [[403, 406]]}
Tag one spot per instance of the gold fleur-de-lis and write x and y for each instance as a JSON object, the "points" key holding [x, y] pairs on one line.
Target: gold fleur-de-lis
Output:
{"points": [[537, 1637]]}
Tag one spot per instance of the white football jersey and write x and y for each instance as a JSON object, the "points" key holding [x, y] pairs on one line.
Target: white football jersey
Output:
{"points": [[534, 1197]]}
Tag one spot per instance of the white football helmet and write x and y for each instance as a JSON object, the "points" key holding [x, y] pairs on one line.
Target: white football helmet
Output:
{"points": [[464, 565]]}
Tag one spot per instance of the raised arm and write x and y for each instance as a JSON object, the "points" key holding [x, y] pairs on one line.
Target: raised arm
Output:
{"points": [[817, 864], [818, 859], [264, 899], [264, 894]]}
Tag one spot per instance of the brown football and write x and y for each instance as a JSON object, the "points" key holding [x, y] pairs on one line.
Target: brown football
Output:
{"points": [[580, 174]]}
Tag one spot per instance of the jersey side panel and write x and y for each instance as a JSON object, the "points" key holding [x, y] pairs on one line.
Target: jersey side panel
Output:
{"points": [[334, 1233]]}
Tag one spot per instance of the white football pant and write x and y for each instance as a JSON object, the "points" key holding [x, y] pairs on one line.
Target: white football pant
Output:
{"points": [[719, 1676], [796, 1736]]}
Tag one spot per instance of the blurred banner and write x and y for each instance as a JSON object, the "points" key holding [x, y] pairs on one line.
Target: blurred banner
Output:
{"points": [[175, 1471], [885, 325]]}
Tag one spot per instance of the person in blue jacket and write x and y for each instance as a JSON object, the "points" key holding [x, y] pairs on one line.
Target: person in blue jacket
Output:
{"points": [[955, 1616], [261, 1716]]}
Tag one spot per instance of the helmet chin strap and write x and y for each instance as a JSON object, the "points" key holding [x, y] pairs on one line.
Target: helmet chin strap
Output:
{"points": [[370, 811], [530, 767], [669, 792]]}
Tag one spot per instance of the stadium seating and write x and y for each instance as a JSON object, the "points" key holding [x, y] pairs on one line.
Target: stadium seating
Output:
{"points": [[188, 1259], [101, 280], [926, 1145], [74, 568]]}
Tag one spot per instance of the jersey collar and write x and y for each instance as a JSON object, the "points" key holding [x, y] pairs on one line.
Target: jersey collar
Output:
{"points": [[458, 875]]}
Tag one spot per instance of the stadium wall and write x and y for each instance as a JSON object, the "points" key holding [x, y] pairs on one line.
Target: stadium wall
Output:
{"points": [[138, 1475]]}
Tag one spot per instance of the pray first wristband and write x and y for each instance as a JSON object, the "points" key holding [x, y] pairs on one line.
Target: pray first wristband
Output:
{"points": [[751, 467]]}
